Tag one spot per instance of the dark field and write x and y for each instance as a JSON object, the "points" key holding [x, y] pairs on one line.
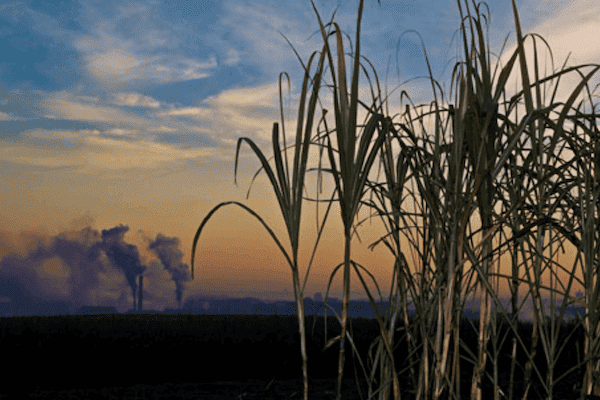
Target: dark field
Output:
{"points": [[216, 357]]}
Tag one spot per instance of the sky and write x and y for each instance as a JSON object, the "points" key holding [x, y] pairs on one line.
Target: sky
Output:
{"points": [[119, 123]]}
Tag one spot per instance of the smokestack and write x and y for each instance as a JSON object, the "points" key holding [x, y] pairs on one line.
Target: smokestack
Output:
{"points": [[122, 255], [167, 250], [141, 290]]}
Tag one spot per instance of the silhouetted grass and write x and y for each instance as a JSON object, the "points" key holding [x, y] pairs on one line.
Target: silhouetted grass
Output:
{"points": [[477, 180]]}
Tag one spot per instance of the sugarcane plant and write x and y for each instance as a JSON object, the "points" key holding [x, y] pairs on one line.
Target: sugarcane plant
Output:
{"points": [[289, 195], [482, 149], [471, 187]]}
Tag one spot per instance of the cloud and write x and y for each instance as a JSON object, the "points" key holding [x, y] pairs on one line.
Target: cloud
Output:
{"points": [[198, 112], [256, 25], [248, 111], [89, 151], [113, 65], [574, 23], [118, 154], [121, 66], [113, 56], [134, 138], [134, 100], [233, 57], [162, 128], [66, 106], [9, 117], [39, 22], [122, 132]]}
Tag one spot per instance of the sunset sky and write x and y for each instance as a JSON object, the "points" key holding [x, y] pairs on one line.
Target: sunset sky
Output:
{"points": [[116, 113]]}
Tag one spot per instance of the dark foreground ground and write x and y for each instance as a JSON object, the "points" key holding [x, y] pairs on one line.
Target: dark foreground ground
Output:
{"points": [[206, 357], [247, 390], [173, 357]]}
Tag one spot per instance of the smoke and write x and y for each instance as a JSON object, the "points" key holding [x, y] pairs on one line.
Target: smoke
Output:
{"points": [[167, 250], [77, 268], [62, 270], [123, 256]]}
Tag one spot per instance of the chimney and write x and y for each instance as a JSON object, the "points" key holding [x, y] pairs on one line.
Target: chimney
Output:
{"points": [[140, 291]]}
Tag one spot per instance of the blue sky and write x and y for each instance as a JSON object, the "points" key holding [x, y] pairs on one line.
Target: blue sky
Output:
{"points": [[129, 112]]}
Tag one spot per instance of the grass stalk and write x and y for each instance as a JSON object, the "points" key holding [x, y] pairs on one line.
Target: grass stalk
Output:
{"points": [[289, 197], [354, 161]]}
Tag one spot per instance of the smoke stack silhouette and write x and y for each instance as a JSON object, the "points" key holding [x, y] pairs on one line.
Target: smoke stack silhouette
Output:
{"points": [[123, 255], [167, 250], [140, 291]]}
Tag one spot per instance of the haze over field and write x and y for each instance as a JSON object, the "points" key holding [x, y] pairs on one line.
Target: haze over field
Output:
{"points": [[118, 127]]}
